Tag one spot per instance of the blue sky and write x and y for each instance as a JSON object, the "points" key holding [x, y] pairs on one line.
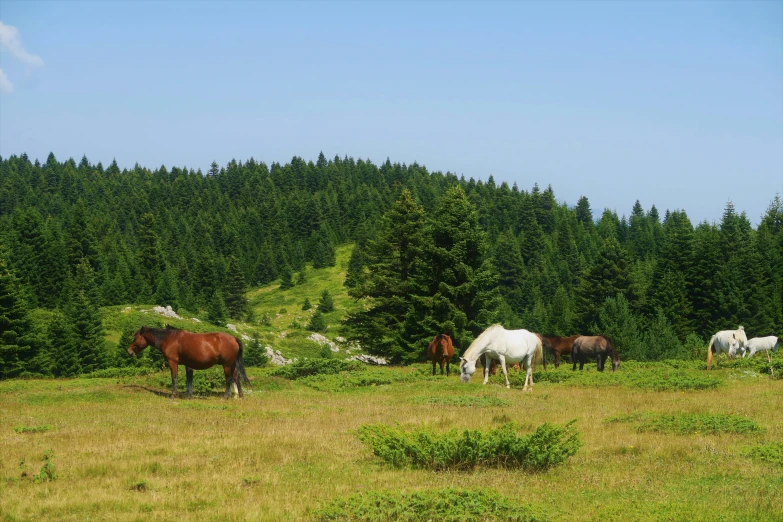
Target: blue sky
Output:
{"points": [[677, 104]]}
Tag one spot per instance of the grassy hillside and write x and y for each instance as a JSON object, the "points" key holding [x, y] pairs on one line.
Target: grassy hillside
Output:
{"points": [[708, 447], [279, 322]]}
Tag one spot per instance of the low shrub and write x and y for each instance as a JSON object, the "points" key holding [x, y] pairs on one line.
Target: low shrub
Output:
{"points": [[127, 371], [32, 429], [359, 376], [320, 366], [461, 400], [689, 423], [547, 446], [446, 505], [771, 452]]}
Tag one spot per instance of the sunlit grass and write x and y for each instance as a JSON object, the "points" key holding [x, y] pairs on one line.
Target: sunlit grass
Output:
{"points": [[123, 452]]}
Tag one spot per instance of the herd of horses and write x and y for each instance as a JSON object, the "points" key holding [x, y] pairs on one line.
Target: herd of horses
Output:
{"points": [[199, 351], [520, 347]]}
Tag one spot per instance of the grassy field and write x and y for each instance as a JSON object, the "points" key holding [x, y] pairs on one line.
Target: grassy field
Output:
{"points": [[119, 449]]}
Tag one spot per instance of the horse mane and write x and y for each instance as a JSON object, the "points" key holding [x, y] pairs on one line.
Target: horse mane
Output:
{"points": [[158, 334], [612, 345], [478, 340]]}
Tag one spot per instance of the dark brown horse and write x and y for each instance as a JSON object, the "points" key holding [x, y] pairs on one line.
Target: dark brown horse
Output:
{"points": [[440, 351], [493, 364], [598, 346], [196, 352], [560, 346]]}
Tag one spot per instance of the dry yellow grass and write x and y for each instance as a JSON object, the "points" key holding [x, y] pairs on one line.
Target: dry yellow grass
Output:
{"points": [[125, 453]]}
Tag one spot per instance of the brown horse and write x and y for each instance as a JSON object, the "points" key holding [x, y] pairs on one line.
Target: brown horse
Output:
{"points": [[439, 351], [560, 346], [598, 346], [493, 364], [196, 352]]}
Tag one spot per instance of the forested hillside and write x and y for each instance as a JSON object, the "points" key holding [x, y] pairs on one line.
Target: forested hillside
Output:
{"points": [[434, 252]]}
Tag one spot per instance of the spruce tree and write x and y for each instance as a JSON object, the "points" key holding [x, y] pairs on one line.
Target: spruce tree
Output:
{"points": [[393, 258], [150, 258], [16, 347], [216, 309], [306, 305], [608, 277], [286, 278], [326, 303], [234, 290], [63, 347], [317, 322]]}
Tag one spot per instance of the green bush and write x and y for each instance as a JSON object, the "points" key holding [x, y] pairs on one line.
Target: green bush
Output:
{"points": [[308, 367], [689, 423], [127, 371], [443, 505], [32, 429], [771, 452], [462, 400], [503, 447], [358, 377]]}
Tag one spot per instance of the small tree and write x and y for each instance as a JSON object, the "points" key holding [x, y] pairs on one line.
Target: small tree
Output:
{"points": [[216, 309], [255, 354], [307, 305], [286, 278], [317, 322], [326, 304]]}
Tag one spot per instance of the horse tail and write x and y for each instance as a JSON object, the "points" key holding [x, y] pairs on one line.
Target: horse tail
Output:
{"points": [[239, 364], [538, 356], [710, 348]]}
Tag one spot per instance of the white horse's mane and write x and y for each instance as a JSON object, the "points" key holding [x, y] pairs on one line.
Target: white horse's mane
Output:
{"points": [[479, 341]]}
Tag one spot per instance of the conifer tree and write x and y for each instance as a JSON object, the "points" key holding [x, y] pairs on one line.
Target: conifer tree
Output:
{"points": [[150, 259], [63, 348], [16, 347], [326, 303], [234, 290], [317, 322], [216, 309], [286, 278], [307, 305], [608, 277]]}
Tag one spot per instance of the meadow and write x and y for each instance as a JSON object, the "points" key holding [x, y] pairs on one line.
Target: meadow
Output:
{"points": [[701, 446]]}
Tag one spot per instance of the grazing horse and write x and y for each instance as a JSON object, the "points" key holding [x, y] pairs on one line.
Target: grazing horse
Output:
{"points": [[440, 351], [559, 346], [195, 352], [598, 346], [726, 341], [506, 346], [493, 364], [762, 344]]}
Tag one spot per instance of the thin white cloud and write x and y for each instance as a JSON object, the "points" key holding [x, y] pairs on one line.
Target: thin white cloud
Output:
{"points": [[5, 84], [10, 41]]}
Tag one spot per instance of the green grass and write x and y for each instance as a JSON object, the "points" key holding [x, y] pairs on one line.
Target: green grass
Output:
{"points": [[446, 505], [141, 456]]}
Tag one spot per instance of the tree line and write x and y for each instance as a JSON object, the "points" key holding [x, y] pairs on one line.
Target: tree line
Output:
{"points": [[434, 253]]}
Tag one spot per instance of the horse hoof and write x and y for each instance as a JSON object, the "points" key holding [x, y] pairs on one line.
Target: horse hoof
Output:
{"points": [[508, 386]]}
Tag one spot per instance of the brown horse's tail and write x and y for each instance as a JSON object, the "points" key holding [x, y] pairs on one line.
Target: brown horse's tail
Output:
{"points": [[709, 353], [239, 364]]}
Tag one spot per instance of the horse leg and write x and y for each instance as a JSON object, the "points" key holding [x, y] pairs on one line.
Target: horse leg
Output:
{"points": [[486, 370], [229, 373], [442, 363], [557, 359], [600, 362], [433, 367], [448, 364], [505, 370], [238, 385], [173, 366], [529, 374], [189, 373]]}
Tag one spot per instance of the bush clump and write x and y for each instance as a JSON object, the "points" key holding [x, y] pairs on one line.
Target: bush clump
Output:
{"points": [[689, 423], [548, 446], [460, 400], [358, 376], [446, 505], [309, 367], [771, 452]]}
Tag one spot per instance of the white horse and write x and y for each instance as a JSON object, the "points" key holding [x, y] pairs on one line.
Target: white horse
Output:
{"points": [[506, 346], [726, 341], [762, 344]]}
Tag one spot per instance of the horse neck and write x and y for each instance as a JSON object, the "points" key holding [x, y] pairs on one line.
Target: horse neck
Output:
{"points": [[156, 336]]}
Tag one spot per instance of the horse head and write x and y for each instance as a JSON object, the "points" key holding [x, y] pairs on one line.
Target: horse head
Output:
{"points": [[139, 342], [466, 369]]}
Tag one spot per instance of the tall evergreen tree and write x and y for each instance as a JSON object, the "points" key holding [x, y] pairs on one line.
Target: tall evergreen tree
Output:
{"points": [[16, 347], [608, 277], [234, 290]]}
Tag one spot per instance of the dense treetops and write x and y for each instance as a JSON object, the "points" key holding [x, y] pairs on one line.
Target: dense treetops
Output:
{"points": [[434, 253]]}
